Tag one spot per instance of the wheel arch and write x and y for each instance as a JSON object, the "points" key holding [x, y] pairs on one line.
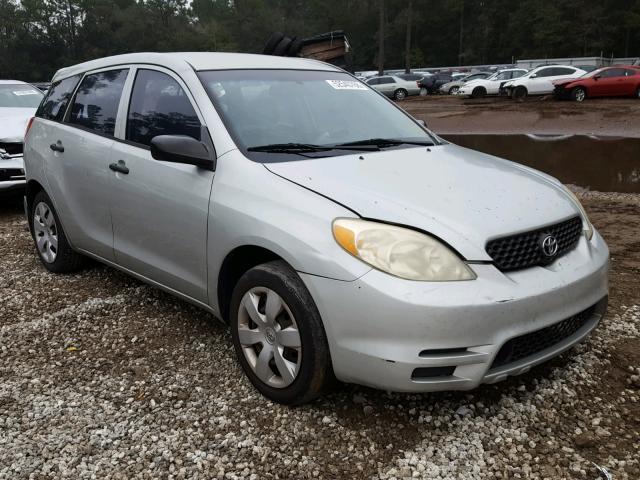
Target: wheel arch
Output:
{"points": [[235, 264], [32, 188]]}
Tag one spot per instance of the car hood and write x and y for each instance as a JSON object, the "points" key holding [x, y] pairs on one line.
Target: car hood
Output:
{"points": [[459, 195], [13, 123]]}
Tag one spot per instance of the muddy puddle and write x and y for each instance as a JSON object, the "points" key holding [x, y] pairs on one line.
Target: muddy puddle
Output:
{"points": [[606, 164]]}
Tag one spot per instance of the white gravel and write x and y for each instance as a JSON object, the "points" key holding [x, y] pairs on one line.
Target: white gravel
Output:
{"points": [[103, 377]]}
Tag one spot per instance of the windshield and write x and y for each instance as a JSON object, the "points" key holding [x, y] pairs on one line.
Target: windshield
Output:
{"points": [[593, 72], [285, 107], [19, 96]]}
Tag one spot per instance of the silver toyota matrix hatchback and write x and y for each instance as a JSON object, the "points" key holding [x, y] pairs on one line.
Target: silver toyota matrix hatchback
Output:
{"points": [[335, 234]]}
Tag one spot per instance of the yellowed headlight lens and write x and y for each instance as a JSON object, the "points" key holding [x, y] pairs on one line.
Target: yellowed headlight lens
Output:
{"points": [[400, 251], [588, 228]]}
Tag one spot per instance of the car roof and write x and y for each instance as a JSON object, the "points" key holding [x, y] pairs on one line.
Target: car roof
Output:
{"points": [[180, 61]]}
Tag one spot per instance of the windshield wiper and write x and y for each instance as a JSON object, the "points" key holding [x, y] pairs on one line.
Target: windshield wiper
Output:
{"points": [[307, 147], [385, 142]]}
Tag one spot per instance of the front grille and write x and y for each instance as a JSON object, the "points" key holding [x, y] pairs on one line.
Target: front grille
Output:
{"points": [[524, 250], [12, 149], [8, 174], [535, 342]]}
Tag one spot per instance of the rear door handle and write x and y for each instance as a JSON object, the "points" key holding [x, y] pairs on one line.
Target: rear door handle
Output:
{"points": [[57, 147], [120, 167]]}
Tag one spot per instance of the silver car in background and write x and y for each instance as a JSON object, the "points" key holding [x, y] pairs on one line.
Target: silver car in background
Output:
{"points": [[18, 103], [335, 235], [394, 87]]}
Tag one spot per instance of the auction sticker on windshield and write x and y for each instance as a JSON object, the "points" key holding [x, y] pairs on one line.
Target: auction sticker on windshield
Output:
{"points": [[346, 85]]}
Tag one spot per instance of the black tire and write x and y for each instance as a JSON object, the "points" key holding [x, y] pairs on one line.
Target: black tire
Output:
{"points": [[295, 47], [453, 90], [271, 44], [400, 94], [638, 93], [315, 374], [66, 259], [578, 94], [478, 92], [282, 47], [520, 93]]}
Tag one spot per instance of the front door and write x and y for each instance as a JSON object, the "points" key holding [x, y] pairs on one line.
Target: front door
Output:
{"points": [[160, 209]]}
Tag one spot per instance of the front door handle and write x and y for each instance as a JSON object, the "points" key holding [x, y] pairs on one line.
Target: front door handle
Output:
{"points": [[119, 167], [57, 147]]}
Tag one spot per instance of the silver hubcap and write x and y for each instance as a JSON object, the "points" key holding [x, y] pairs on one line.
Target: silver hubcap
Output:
{"points": [[454, 89], [46, 232], [580, 95], [400, 95], [269, 337]]}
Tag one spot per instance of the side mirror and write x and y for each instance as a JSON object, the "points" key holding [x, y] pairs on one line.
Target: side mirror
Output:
{"points": [[533, 76], [421, 122], [596, 77], [182, 149]]}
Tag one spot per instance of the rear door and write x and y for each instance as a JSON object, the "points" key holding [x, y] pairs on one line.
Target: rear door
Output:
{"points": [[160, 209], [542, 81], [386, 85], [78, 169]]}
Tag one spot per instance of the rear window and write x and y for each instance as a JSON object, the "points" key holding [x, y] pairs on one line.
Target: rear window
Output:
{"points": [[55, 102], [95, 106], [19, 95]]}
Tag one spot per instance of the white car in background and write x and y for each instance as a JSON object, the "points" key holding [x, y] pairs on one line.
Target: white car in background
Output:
{"points": [[18, 104], [539, 81], [394, 87], [490, 85]]}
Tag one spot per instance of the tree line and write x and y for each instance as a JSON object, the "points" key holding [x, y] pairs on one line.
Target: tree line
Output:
{"points": [[37, 37]]}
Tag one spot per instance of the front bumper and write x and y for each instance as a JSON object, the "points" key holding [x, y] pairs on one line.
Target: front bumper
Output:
{"points": [[12, 176], [401, 335]]}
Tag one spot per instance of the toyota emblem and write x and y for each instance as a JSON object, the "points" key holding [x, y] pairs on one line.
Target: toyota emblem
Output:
{"points": [[549, 245]]}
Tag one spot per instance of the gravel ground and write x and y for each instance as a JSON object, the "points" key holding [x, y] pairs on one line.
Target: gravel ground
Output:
{"points": [[104, 377]]}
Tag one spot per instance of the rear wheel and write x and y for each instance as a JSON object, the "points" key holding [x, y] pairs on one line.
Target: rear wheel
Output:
{"points": [[578, 94], [478, 92], [520, 93], [400, 94], [278, 335], [51, 242]]}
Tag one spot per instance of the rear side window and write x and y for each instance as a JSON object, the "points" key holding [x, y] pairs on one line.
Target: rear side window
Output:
{"points": [[614, 72], [159, 106], [546, 72], [385, 80], [563, 71], [95, 106], [517, 73], [55, 102]]}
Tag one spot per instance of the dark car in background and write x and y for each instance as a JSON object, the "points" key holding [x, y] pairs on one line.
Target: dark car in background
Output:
{"points": [[434, 82], [617, 81], [453, 86]]}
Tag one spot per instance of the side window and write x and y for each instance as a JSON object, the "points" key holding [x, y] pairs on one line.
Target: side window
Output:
{"points": [[95, 105], [55, 102], [614, 72], [517, 73], [545, 72], [373, 81], [630, 72], [385, 80], [503, 76], [159, 106], [563, 71]]}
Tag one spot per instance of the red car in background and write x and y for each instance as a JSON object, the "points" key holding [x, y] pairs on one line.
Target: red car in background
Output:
{"points": [[617, 81]]}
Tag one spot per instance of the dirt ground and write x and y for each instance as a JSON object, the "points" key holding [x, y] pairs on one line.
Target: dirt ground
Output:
{"points": [[446, 114]]}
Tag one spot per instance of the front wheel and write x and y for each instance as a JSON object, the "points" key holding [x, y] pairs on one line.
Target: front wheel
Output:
{"points": [[400, 94], [51, 242], [638, 93], [453, 90], [520, 93], [478, 92], [578, 94], [278, 335]]}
